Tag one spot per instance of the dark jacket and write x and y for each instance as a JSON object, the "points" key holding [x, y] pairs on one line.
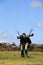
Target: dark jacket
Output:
{"points": [[25, 39]]}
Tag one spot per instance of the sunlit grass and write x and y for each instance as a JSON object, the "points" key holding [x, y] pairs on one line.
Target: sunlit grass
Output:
{"points": [[14, 58]]}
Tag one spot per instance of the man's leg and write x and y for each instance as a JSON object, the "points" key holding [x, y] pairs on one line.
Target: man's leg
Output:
{"points": [[22, 50], [26, 52]]}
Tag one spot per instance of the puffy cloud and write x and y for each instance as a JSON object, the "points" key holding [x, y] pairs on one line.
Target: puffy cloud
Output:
{"points": [[36, 4], [5, 35], [2, 14], [13, 14], [39, 25]]}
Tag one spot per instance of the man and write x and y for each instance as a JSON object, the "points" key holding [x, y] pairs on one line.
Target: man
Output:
{"points": [[24, 43]]}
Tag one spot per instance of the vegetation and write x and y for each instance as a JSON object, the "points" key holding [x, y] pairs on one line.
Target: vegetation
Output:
{"points": [[9, 55], [14, 58], [14, 47]]}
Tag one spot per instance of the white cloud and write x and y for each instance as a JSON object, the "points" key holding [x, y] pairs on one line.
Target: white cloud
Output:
{"points": [[36, 4], [5, 35], [13, 14], [39, 25], [1, 14]]}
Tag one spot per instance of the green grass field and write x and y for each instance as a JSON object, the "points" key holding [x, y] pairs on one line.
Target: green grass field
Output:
{"points": [[14, 58]]}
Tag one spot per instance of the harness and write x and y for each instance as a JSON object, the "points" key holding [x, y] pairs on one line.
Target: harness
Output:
{"points": [[25, 40]]}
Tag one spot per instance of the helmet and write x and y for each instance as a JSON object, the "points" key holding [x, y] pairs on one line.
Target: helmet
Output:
{"points": [[24, 34]]}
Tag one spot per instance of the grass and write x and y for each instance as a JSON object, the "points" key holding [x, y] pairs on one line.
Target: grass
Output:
{"points": [[14, 58]]}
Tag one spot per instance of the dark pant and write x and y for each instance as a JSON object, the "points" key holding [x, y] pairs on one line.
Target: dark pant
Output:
{"points": [[24, 51]]}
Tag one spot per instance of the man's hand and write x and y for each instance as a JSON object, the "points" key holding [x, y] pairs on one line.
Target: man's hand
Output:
{"points": [[30, 44], [32, 35]]}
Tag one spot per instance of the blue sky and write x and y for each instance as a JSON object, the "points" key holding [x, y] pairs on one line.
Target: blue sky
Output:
{"points": [[21, 15]]}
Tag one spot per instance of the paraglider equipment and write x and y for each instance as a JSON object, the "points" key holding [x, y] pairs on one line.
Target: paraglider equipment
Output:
{"points": [[25, 42]]}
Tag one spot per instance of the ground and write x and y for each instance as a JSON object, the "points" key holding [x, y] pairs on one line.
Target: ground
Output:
{"points": [[14, 58]]}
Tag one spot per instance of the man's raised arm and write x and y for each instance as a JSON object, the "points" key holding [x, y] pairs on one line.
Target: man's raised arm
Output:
{"points": [[29, 35], [18, 37]]}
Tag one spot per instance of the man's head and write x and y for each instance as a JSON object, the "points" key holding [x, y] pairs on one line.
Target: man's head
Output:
{"points": [[24, 35]]}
